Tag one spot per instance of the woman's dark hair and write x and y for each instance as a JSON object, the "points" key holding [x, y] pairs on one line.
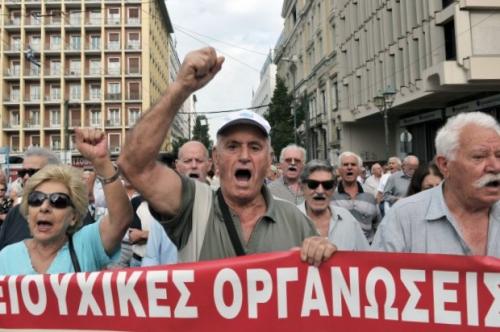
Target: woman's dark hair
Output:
{"points": [[419, 176]]}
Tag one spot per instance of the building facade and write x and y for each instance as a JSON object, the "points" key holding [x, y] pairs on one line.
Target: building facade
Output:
{"points": [[438, 56], [262, 96], [306, 59], [67, 63]]}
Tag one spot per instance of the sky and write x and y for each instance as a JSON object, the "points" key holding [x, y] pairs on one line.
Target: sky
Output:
{"points": [[243, 31]]}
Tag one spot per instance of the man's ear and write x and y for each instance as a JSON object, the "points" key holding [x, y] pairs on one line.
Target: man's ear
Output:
{"points": [[443, 164]]}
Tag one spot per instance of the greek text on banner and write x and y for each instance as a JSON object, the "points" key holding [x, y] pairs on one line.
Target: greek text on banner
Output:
{"points": [[350, 292]]}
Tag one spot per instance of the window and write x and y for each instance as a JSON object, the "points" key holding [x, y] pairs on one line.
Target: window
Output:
{"points": [[133, 115], [113, 41], [55, 142], [75, 42], [113, 117], [449, 40], [35, 140], [95, 67], [133, 15], [134, 91], [14, 119], [133, 41], [34, 18], [15, 68], [34, 69], [134, 66], [95, 42], [35, 92], [74, 118], [34, 118], [35, 43], [335, 95], [75, 17], [55, 67], [55, 118], [15, 17], [15, 43], [14, 93], [14, 143], [114, 66], [55, 42], [114, 90], [74, 92], [114, 16], [74, 67], [55, 16], [95, 17], [95, 91], [114, 142], [95, 118], [55, 92]]}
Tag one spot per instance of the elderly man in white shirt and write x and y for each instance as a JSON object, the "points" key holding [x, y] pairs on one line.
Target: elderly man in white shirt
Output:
{"points": [[462, 215]]}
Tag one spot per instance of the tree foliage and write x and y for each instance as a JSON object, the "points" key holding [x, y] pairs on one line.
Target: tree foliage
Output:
{"points": [[177, 142], [281, 118], [200, 131]]}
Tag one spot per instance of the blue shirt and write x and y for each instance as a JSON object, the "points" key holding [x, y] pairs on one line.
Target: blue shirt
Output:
{"points": [[422, 223], [160, 249], [15, 258]]}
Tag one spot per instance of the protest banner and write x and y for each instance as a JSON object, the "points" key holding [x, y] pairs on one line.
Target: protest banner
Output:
{"points": [[264, 292]]}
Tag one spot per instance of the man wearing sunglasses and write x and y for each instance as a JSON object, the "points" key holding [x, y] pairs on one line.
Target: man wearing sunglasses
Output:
{"points": [[351, 196], [15, 227], [287, 187], [331, 221]]}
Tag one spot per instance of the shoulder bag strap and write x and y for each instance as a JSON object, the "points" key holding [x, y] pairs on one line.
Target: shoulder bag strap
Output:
{"points": [[74, 259], [235, 240]]}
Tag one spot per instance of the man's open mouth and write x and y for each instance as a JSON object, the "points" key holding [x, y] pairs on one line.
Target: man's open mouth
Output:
{"points": [[194, 176], [243, 174], [292, 168], [493, 184], [319, 198]]}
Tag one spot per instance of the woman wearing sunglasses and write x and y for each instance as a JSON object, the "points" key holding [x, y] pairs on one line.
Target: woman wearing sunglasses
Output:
{"points": [[55, 203]]}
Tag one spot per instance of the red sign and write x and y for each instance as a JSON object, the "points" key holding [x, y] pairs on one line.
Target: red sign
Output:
{"points": [[266, 292]]}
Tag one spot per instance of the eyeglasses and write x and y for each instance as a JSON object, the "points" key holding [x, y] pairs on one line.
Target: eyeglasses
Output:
{"points": [[30, 171], [293, 161], [313, 184], [56, 200]]}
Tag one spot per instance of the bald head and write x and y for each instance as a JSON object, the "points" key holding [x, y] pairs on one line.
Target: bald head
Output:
{"points": [[193, 160]]}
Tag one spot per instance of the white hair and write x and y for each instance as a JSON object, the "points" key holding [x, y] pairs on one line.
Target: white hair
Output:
{"points": [[447, 138], [396, 160], [292, 146], [350, 154]]}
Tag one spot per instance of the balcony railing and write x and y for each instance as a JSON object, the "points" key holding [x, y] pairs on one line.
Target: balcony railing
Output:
{"points": [[133, 45], [113, 96], [134, 96], [113, 46], [113, 71], [112, 123]]}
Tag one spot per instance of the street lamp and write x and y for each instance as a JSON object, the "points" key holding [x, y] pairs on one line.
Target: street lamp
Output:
{"points": [[384, 103]]}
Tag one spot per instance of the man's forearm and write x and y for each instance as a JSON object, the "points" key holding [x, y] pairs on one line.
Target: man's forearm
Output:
{"points": [[146, 138]]}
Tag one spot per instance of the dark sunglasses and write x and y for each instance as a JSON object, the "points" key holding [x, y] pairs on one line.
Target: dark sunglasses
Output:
{"points": [[313, 184], [56, 200], [30, 171]]}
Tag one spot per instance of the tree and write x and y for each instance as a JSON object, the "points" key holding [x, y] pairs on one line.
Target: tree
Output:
{"points": [[281, 117], [200, 131], [177, 142]]}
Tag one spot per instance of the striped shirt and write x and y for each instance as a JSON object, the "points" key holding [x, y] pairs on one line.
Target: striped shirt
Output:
{"points": [[363, 207]]}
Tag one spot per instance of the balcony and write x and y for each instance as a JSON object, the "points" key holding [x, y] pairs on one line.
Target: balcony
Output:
{"points": [[134, 96], [113, 123], [113, 21], [113, 71], [12, 99], [52, 99], [133, 45], [73, 73], [93, 72], [13, 72], [133, 21], [32, 72], [113, 96], [113, 46]]}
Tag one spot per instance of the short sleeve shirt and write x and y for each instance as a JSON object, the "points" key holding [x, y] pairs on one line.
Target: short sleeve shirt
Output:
{"points": [[422, 223], [282, 227], [15, 259]]}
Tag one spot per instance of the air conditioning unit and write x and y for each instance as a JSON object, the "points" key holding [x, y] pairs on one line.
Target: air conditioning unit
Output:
{"points": [[116, 149]]}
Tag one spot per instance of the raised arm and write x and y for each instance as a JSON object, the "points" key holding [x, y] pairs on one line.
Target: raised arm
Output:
{"points": [[92, 145], [158, 184]]}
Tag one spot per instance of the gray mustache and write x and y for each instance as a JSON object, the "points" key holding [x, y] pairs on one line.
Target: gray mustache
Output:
{"points": [[486, 179]]}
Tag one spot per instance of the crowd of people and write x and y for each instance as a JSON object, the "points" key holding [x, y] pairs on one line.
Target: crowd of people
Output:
{"points": [[142, 212]]}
